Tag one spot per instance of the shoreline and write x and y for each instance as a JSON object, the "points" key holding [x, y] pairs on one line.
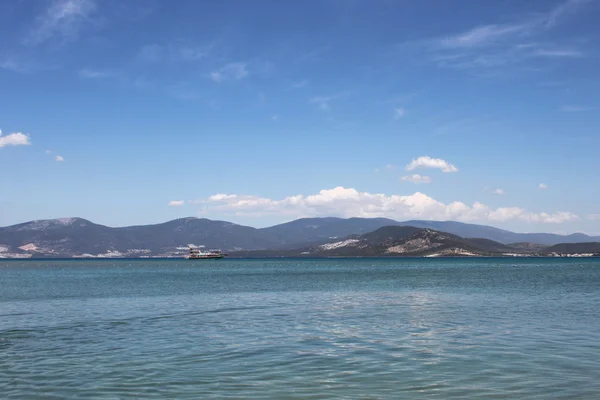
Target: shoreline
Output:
{"points": [[294, 258]]}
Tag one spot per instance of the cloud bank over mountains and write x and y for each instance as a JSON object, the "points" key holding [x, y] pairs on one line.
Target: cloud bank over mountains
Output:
{"points": [[349, 202]]}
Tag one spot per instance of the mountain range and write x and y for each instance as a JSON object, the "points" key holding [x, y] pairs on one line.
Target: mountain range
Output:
{"points": [[73, 237], [421, 242]]}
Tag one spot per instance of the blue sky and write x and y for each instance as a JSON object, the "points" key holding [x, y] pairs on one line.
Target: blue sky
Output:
{"points": [[260, 112]]}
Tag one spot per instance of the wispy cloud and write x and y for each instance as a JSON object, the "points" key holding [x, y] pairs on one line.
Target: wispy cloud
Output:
{"points": [[299, 84], [182, 51], [484, 35], [189, 52], [493, 34], [594, 217], [230, 72], [312, 55], [558, 53], [497, 46], [14, 139], [11, 64], [563, 10], [184, 91], [569, 108], [151, 53], [25, 65], [428, 162], [493, 191], [399, 112], [389, 167], [322, 102], [416, 178], [176, 203], [542, 186], [89, 73], [63, 19]]}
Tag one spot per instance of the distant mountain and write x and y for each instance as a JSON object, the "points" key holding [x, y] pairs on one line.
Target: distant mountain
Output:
{"points": [[570, 248], [396, 241], [65, 236], [410, 241], [307, 230], [310, 230], [197, 231], [500, 235], [69, 237]]}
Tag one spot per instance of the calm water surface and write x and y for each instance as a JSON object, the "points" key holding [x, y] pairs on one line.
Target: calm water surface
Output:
{"points": [[300, 329]]}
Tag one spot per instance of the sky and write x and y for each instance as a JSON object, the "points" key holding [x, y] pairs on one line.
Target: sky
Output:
{"points": [[138, 112]]}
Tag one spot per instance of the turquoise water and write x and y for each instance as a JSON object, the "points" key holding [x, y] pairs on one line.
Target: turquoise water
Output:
{"points": [[300, 329]]}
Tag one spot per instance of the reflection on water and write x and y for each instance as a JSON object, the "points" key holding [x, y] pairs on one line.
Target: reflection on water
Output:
{"points": [[301, 329]]}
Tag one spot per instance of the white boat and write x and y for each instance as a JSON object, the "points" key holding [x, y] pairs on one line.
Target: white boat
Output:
{"points": [[197, 254]]}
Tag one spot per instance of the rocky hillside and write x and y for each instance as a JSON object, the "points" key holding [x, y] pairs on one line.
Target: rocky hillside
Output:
{"points": [[571, 248], [395, 241], [410, 241], [76, 237]]}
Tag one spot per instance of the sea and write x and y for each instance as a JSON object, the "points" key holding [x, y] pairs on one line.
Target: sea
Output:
{"points": [[402, 328]]}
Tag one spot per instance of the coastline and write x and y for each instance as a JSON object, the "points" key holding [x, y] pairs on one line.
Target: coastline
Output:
{"points": [[301, 258]]}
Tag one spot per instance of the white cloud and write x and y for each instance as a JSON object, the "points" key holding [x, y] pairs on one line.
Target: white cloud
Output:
{"points": [[176, 203], [416, 178], [428, 162], [59, 158], [399, 113], [349, 202], [229, 72], [64, 18], [498, 191], [594, 217], [14, 139], [543, 186]]}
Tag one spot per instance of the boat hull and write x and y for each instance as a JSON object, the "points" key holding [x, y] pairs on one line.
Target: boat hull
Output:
{"points": [[205, 257]]}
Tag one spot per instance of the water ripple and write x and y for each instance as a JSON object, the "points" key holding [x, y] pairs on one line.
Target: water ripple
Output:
{"points": [[443, 331]]}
